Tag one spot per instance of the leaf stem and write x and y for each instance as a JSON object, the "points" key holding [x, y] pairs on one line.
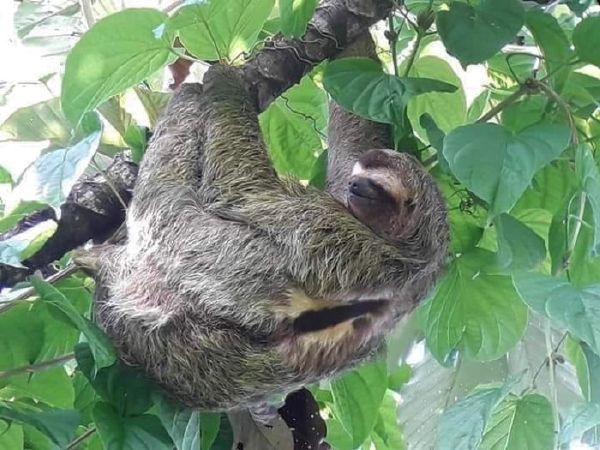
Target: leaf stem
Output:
{"points": [[76, 442], [523, 89], [393, 39], [37, 367], [413, 52], [551, 374]]}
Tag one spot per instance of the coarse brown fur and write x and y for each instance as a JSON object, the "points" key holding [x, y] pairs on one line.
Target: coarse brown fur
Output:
{"points": [[224, 260]]}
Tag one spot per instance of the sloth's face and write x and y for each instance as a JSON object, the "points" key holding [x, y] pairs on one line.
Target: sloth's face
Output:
{"points": [[382, 192]]}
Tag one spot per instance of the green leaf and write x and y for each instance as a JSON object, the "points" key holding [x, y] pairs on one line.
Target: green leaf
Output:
{"points": [[554, 44], [22, 245], [589, 177], [386, 434], [104, 353], [20, 211], [587, 365], [462, 425], [318, 173], [525, 113], [586, 38], [579, 419], [58, 424], [337, 436], [497, 165], [129, 433], [448, 110], [550, 188], [295, 15], [52, 387], [474, 310], [474, 33], [11, 436], [291, 126], [38, 122], [577, 310], [126, 388], [116, 53], [215, 30], [52, 176], [519, 247], [189, 429], [357, 396], [224, 439], [360, 85], [521, 423]]}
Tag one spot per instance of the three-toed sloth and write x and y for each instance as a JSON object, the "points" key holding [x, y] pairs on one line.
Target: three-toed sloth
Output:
{"points": [[233, 284]]}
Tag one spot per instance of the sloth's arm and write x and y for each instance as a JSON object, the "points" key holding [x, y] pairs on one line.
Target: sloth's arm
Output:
{"points": [[323, 246]]}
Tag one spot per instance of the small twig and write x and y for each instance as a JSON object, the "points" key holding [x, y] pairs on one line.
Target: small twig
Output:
{"points": [[37, 367], [110, 184], [552, 375], [574, 236], [176, 4], [30, 292], [183, 55], [523, 89], [413, 52], [545, 361], [80, 439], [393, 39]]}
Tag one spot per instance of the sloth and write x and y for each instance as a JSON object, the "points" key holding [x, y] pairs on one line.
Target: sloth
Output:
{"points": [[234, 285]]}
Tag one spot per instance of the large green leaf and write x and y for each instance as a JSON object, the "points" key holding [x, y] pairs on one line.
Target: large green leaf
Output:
{"points": [[519, 247], [554, 44], [474, 310], [361, 86], [291, 126], [497, 165], [116, 53], [586, 38], [357, 396], [130, 433], [448, 110], [524, 423], [11, 436], [474, 33], [58, 424], [52, 176], [189, 429], [100, 344], [462, 425], [295, 15], [577, 310], [126, 388], [589, 177], [386, 434], [215, 29]]}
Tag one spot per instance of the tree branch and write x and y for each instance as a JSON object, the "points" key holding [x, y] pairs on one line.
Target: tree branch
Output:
{"points": [[93, 211]]}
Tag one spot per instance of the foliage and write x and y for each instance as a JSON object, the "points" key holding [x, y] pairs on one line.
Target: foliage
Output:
{"points": [[506, 351]]}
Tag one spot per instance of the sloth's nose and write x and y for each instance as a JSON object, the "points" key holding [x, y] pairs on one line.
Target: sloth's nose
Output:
{"points": [[363, 187]]}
